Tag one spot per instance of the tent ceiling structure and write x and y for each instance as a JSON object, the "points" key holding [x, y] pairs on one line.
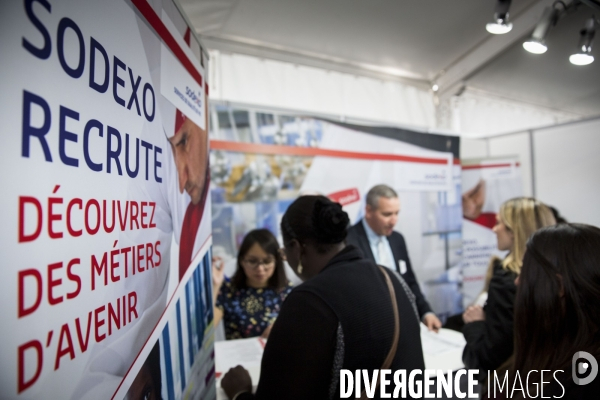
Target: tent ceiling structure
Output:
{"points": [[419, 42]]}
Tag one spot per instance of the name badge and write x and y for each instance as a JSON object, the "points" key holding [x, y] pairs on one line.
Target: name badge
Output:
{"points": [[402, 265]]}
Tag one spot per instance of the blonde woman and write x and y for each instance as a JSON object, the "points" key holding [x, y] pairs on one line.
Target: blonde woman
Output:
{"points": [[488, 330]]}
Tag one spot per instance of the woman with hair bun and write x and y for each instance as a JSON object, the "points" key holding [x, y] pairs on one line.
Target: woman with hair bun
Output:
{"points": [[348, 314]]}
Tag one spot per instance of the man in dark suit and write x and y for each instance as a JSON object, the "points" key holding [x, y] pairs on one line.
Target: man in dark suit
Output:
{"points": [[374, 235]]}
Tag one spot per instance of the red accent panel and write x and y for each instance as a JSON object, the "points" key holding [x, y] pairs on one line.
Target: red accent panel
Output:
{"points": [[179, 120], [344, 197], [187, 36], [486, 219], [154, 20]]}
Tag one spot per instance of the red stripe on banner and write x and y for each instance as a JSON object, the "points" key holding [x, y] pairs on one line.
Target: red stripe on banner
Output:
{"points": [[162, 31], [187, 36], [311, 152], [465, 167]]}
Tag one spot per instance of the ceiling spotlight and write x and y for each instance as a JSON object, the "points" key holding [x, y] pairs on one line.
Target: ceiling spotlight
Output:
{"points": [[435, 87], [583, 56], [536, 44], [500, 25], [581, 59]]}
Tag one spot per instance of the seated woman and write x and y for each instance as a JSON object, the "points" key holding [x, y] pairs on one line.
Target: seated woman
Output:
{"points": [[348, 314], [250, 301], [488, 330], [557, 315]]}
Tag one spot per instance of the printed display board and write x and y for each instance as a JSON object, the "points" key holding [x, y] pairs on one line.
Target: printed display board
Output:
{"points": [[486, 185], [105, 222], [260, 163]]}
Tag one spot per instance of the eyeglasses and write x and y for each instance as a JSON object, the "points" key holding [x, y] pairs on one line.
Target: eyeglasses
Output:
{"points": [[254, 263]]}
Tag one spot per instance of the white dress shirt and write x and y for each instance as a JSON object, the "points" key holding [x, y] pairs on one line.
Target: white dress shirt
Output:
{"points": [[380, 246]]}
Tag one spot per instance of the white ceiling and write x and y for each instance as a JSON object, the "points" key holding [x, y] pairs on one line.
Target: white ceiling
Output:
{"points": [[416, 41]]}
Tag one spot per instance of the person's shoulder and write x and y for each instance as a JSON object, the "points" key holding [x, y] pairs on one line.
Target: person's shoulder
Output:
{"points": [[286, 289], [501, 271], [497, 263], [357, 224], [397, 239], [502, 277], [355, 229], [229, 290], [397, 235], [302, 293], [226, 285]]}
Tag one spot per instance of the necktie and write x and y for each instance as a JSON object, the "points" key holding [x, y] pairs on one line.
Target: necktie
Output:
{"points": [[384, 257]]}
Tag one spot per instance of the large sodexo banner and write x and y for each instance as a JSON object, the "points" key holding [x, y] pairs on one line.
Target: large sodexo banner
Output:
{"points": [[105, 228]]}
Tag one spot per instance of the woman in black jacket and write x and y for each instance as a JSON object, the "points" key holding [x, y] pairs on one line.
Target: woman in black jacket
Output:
{"points": [[488, 330], [341, 317]]}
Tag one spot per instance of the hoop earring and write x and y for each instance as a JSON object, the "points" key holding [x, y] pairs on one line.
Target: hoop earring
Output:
{"points": [[299, 267]]}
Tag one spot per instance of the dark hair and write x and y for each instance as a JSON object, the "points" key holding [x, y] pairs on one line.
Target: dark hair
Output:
{"points": [[556, 306], [559, 218], [315, 220], [269, 244]]}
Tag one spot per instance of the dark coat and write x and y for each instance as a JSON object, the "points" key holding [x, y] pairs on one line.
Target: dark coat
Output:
{"points": [[358, 237], [490, 342]]}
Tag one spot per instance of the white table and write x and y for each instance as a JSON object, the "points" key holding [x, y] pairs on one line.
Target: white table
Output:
{"points": [[441, 350]]}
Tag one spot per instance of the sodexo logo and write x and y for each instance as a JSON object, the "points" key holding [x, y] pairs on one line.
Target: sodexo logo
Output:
{"points": [[585, 368]]}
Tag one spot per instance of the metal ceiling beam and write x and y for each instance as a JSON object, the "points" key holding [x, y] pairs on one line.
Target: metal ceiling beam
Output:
{"points": [[453, 79], [255, 48]]}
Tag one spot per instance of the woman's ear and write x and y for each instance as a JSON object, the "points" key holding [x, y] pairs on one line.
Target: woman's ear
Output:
{"points": [[294, 247]]}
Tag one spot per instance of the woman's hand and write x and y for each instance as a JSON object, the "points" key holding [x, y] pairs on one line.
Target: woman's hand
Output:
{"points": [[473, 313], [218, 269], [235, 381], [432, 322], [473, 200]]}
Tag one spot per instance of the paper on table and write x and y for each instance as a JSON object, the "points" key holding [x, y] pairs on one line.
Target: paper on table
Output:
{"points": [[245, 352], [445, 341]]}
